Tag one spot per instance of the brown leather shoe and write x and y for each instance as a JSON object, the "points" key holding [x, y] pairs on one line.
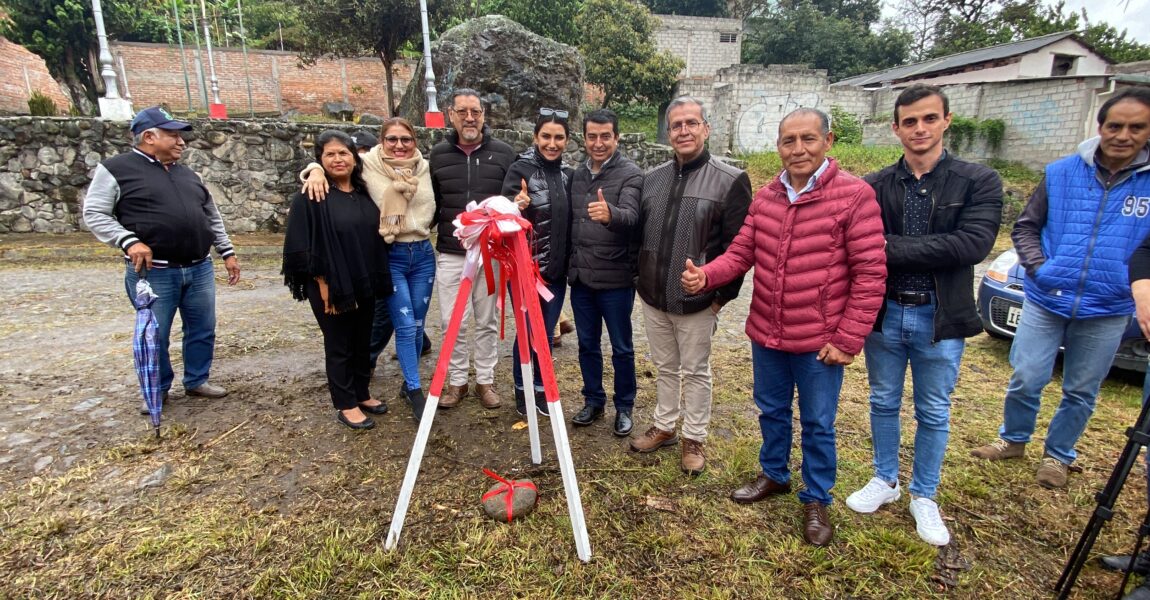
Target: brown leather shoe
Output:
{"points": [[653, 439], [487, 396], [453, 395], [817, 528], [694, 461], [760, 489]]}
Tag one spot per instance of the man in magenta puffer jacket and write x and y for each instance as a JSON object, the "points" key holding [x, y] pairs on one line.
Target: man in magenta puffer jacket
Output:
{"points": [[814, 236]]}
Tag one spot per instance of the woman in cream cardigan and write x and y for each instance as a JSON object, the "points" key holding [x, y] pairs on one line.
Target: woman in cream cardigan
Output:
{"points": [[399, 182]]}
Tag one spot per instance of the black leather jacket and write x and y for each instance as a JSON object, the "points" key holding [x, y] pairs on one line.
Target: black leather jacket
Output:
{"points": [[690, 211], [549, 186], [964, 220], [603, 256], [459, 178]]}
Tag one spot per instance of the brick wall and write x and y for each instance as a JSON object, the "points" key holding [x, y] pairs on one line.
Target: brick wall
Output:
{"points": [[698, 41], [155, 75], [22, 73]]}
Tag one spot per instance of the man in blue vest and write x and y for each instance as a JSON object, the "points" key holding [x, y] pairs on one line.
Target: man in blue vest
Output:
{"points": [[1075, 238]]}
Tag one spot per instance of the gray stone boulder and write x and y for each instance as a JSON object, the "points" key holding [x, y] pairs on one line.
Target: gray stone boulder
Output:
{"points": [[516, 70], [338, 110], [523, 501]]}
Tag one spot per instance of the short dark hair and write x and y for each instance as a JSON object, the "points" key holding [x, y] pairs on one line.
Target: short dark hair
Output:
{"points": [[602, 116], [917, 92], [824, 120], [1137, 94], [328, 136], [467, 92]]}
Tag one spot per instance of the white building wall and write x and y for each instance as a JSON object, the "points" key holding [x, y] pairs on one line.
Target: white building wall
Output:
{"points": [[699, 41]]}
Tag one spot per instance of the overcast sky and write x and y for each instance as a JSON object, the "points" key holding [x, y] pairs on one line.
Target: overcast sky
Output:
{"points": [[1133, 15]]}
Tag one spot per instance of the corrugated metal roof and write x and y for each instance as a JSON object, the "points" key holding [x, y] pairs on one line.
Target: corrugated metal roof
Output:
{"points": [[955, 61]]}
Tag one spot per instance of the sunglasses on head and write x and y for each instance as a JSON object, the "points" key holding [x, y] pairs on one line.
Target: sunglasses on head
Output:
{"points": [[553, 112]]}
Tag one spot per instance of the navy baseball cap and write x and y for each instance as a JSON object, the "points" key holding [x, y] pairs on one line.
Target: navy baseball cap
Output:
{"points": [[156, 116], [364, 140]]}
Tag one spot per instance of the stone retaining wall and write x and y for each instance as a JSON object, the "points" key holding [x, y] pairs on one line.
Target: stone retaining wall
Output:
{"points": [[249, 166]]}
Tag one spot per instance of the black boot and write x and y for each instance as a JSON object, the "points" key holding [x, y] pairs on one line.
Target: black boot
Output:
{"points": [[1119, 563], [520, 402], [417, 401]]}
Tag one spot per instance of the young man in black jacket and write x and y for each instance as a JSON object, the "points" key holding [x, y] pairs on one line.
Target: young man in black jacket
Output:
{"points": [[605, 196], [940, 216], [467, 165]]}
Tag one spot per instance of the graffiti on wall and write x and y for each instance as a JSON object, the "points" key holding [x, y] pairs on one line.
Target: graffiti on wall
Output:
{"points": [[757, 127]]}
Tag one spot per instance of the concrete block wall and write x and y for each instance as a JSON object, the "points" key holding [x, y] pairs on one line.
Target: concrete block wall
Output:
{"points": [[24, 73], [750, 100], [697, 40], [1045, 119], [155, 75]]}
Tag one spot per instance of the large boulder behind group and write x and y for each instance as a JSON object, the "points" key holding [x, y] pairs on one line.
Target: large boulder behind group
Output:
{"points": [[515, 70]]}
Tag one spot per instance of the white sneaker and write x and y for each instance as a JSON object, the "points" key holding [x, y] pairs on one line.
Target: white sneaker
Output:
{"points": [[873, 495], [928, 522]]}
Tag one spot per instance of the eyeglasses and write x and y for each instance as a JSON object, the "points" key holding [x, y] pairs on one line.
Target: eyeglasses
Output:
{"points": [[690, 126], [468, 112], [396, 139], [549, 112]]}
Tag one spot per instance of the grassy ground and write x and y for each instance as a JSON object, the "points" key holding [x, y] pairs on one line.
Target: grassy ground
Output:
{"points": [[276, 501]]}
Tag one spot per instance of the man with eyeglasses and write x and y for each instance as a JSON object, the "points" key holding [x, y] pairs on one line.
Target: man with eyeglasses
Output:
{"points": [[467, 165], [691, 208], [160, 214]]}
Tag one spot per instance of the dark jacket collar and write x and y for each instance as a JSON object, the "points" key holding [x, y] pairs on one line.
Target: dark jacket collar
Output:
{"points": [[453, 135], [904, 172], [693, 165]]}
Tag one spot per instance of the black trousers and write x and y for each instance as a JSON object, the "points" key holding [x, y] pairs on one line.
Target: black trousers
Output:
{"points": [[346, 349]]}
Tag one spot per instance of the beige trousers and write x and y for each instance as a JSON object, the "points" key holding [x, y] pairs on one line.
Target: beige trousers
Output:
{"points": [[485, 343], [681, 350]]}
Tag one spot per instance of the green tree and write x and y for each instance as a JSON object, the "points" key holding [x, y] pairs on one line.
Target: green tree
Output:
{"points": [[796, 32], [553, 19], [615, 39], [350, 28], [690, 8]]}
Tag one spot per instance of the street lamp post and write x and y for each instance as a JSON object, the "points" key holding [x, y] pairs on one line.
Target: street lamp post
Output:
{"points": [[112, 106], [217, 110], [432, 118]]}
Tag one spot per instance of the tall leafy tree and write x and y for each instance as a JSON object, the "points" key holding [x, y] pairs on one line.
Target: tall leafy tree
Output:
{"points": [[621, 58], [351, 28], [797, 32], [690, 8], [553, 19]]}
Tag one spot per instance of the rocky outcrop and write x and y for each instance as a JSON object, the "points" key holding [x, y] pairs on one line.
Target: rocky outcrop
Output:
{"points": [[516, 70]]}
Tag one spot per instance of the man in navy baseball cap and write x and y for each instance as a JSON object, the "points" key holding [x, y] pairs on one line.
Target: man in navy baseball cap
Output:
{"points": [[157, 116]]}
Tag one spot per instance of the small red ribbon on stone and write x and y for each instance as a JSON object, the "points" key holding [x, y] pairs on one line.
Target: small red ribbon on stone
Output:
{"points": [[508, 487]]}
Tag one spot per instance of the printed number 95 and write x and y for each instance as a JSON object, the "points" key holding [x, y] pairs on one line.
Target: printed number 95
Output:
{"points": [[1135, 206]]}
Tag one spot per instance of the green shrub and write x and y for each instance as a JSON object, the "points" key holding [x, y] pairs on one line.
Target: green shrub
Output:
{"points": [[40, 105], [846, 126], [992, 130], [962, 132]]}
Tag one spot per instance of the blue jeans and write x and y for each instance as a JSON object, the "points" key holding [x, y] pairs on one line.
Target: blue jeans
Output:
{"points": [[777, 374], [594, 308], [551, 311], [1090, 345], [907, 336], [412, 277], [192, 291]]}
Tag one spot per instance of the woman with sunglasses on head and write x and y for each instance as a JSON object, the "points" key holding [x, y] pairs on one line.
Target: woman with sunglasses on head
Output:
{"points": [[541, 185], [335, 259], [399, 181]]}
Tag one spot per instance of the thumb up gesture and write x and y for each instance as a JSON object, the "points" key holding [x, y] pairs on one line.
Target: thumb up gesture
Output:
{"points": [[599, 211], [693, 279], [522, 199]]}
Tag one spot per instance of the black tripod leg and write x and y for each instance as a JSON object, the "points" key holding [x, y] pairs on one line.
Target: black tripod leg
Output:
{"points": [[1137, 438], [1142, 531]]}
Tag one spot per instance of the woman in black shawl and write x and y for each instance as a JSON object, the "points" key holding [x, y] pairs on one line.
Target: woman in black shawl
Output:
{"points": [[335, 259]]}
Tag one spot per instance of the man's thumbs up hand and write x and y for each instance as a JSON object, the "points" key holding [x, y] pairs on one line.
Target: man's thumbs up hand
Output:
{"points": [[693, 279], [599, 211]]}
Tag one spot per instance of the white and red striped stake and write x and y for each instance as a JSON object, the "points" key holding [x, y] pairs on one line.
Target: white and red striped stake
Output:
{"points": [[494, 231]]}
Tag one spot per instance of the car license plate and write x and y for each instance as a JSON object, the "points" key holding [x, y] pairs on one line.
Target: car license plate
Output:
{"points": [[1013, 316]]}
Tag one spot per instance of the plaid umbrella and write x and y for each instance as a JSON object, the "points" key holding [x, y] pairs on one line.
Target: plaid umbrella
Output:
{"points": [[144, 350]]}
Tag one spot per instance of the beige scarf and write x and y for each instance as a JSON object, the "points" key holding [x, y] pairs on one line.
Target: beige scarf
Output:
{"points": [[401, 172]]}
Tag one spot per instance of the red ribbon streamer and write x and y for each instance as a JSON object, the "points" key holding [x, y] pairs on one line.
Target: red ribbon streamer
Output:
{"points": [[508, 487]]}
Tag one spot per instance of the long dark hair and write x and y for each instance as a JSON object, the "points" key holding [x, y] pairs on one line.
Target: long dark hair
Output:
{"points": [[333, 135]]}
